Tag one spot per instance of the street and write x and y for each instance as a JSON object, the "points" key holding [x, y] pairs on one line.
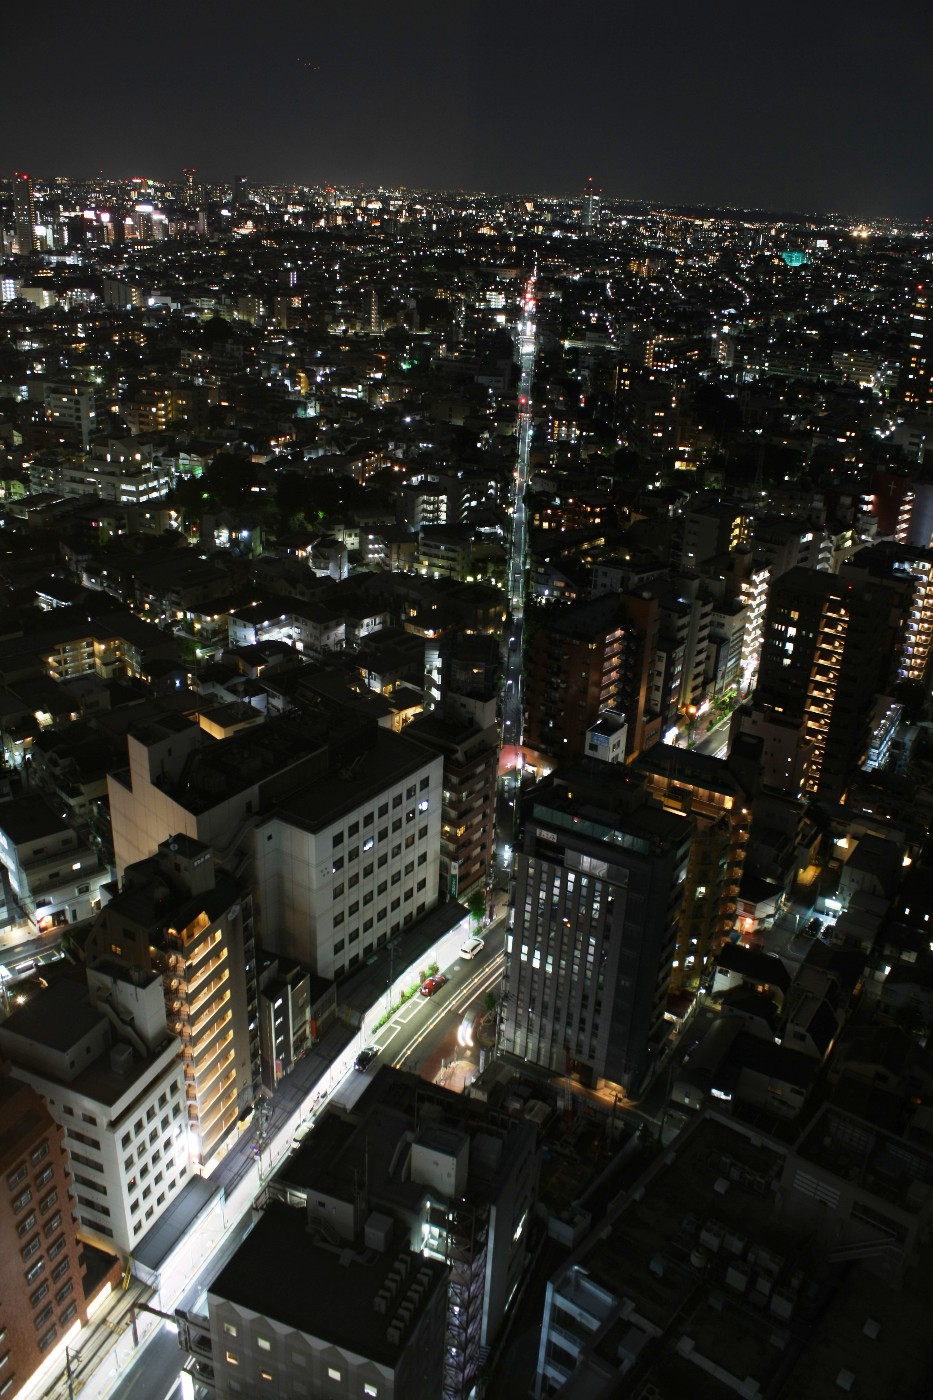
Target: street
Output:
{"points": [[422, 1032]]}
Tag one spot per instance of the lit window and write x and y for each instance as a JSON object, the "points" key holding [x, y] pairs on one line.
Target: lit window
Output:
{"points": [[370, 1389], [232, 1360], [333, 1373], [263, 1344], [230, 1329]]}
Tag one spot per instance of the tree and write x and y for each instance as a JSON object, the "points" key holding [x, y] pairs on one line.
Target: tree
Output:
{"points": [[477, 906]]}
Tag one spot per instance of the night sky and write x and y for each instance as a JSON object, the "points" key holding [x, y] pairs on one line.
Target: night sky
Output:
{"points": [[822, 106]]}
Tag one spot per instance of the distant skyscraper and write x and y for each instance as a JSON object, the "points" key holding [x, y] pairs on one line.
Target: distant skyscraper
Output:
{"points": [[371, 316], [917, 368], [24, 213], [590, 204]]}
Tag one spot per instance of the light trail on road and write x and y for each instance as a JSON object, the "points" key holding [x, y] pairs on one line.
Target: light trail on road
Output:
{"points": [[483, 981]]}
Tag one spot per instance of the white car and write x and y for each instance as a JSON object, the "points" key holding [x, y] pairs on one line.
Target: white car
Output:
{"points": [[472, 948]]}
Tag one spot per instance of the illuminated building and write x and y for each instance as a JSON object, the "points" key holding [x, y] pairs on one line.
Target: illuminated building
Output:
{"points": [[176, 916], [709, 528], [54, 875], [99, 1053], [590, 204], [908, 576], [704, 788], [337, 821], [916, 386], [827, 652], [448, 1175], [71, 409], [599, 880], [24, 214]]}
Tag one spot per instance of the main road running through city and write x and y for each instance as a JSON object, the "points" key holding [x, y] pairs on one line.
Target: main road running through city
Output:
{"points": [[513, 699]]}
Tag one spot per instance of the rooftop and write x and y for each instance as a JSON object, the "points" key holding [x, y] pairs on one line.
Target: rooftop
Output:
{"points": [[25, 819], [288, 1273]]}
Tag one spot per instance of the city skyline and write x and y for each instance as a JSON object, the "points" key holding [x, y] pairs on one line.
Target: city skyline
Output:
{"points": [[719, 110]]}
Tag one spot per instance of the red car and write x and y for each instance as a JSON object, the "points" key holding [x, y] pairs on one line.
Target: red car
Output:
{"points": [[433, 984]]}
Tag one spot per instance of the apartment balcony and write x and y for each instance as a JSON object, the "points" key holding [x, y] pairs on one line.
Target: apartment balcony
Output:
{"points": [[203, 1069], [212, 1013], [211, 993]]}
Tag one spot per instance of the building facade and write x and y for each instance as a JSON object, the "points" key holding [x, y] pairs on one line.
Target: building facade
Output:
{"points": [[177, 917], [599, 881], [99, 1054], [42, 1298]]}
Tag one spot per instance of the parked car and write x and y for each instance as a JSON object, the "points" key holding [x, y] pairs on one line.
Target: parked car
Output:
{"points": [[433, 984], [365, 1058], [472, 948]]}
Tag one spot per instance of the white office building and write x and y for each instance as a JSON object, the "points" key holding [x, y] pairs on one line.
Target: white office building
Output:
{"points": [[336, 825], [99, 1053]]}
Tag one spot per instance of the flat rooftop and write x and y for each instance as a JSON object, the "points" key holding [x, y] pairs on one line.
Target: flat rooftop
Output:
{"points": [[286, 1273], [700, 1250], [29, 818]]}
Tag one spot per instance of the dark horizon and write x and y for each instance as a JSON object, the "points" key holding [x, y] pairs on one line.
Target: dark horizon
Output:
{"points": [[722, 109]]}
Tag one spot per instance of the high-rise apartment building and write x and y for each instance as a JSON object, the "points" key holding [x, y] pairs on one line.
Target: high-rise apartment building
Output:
{"points": [[599, 880], [703, 788], [42, 1298], [193, 925], [827, 652], [24, 214], [916, 385], [907, 574], [372, 320], [739, 583], [471, 766], [586, 659], [679, 676]]}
